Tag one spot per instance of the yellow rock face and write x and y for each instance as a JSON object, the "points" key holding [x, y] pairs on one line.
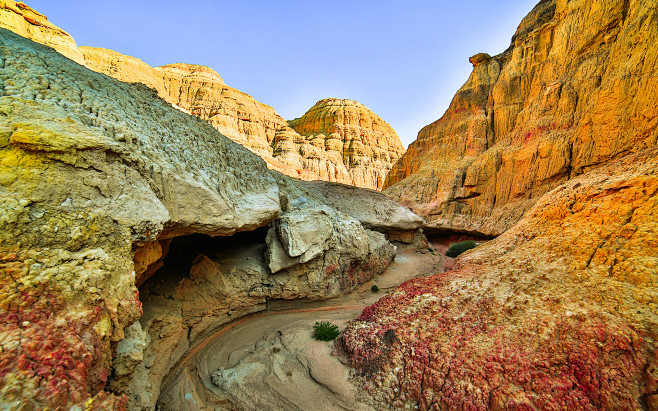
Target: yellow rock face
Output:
{"points": [[368, 145], [26, 22], [358, 154], [546, 110]]}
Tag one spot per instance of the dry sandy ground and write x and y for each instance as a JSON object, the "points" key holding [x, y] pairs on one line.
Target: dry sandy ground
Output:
{"points": [[269, 361]]}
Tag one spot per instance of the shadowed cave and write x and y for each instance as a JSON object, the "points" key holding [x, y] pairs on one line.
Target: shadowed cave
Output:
{"points": [[184, 250]]}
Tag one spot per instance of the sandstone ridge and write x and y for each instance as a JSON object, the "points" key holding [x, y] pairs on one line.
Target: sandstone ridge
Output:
{"points": [[361, 152], [548, 109]]}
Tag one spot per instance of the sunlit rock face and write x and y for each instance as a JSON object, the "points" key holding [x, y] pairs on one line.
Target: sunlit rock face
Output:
{"points": [[31, 24], [553, 144], [367, 144], [574, 90], [352, 145], [98, 180]]}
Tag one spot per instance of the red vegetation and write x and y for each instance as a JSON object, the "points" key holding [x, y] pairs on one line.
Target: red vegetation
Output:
{"points": [[51, 355], [424, 345]]}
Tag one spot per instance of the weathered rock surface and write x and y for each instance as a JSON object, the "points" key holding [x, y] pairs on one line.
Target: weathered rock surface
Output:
{"points": [[231, 277], [98, 178], [271, 361], [574, 90], [561, 311], [343, 141], [23, 20], [367, 144]]}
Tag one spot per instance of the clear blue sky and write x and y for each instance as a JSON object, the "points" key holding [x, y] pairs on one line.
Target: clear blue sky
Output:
{"points": [[402, 59]]}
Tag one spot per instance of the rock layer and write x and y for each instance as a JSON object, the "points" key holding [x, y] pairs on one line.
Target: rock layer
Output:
{"points": [[342, 140], [23, 20], [98, 178], [367, 144], [549, 108], [558, 312]]}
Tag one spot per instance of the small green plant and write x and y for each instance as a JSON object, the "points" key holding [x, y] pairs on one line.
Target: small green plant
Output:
{"points": [[459, 248], [325, 331], [374, 288]]}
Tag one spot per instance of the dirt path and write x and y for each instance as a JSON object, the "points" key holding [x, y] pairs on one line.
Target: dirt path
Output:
{"points": [[270, 360]]}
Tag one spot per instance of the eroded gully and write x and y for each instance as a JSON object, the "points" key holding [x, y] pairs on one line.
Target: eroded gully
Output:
{"points": [[269, 360]]}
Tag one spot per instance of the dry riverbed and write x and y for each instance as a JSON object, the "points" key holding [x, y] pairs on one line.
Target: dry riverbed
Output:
{"points": [[270, 360]]}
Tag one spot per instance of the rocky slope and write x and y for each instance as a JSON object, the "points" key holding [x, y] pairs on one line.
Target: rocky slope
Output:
{"points": [[102, 184], [355, 147], [559, 312], [574, 90]]}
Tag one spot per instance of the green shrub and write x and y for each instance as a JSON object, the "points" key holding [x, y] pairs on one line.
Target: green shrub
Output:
{"points": [[459, 248], [374, 288], [325, 331]]}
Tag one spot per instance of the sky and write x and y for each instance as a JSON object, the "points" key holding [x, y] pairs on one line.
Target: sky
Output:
{"points": [[404, 60]]}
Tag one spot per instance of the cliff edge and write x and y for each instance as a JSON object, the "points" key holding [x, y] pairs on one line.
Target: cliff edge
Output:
{"points": [[573, 91]]}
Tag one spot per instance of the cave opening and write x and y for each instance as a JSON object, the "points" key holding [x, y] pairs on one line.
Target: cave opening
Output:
{"points": [[188, 286], [180, 253]]}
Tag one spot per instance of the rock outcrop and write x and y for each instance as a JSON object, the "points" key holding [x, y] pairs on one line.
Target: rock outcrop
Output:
{"points": [[342, 140], [558, 312], [100, 181], [367, 144], [574, 90], [23, 20]]}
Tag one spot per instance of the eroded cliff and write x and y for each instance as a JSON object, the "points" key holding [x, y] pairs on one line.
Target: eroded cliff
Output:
{"points": [[101, 181], [574, 90], [555, 138], [367, 144], [361, 151]]}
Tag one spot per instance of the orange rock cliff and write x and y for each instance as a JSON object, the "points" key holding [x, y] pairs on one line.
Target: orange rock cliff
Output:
{"points": [[342, 150], [575, 89], [552, 143]]}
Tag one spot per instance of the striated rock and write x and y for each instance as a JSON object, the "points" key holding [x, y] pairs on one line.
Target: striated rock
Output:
{"points": [[197, 90], [358, 149], [200, 91], [558, 312], [27, 22], [548, 109], [101, 186], [368, 145]]}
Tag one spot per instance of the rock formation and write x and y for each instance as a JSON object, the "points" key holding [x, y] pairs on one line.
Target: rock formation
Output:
{"points": [[558, 312], [555, 138], [33, 25], [367, 144], [574, 90], [100, 182], [342, 140]]}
